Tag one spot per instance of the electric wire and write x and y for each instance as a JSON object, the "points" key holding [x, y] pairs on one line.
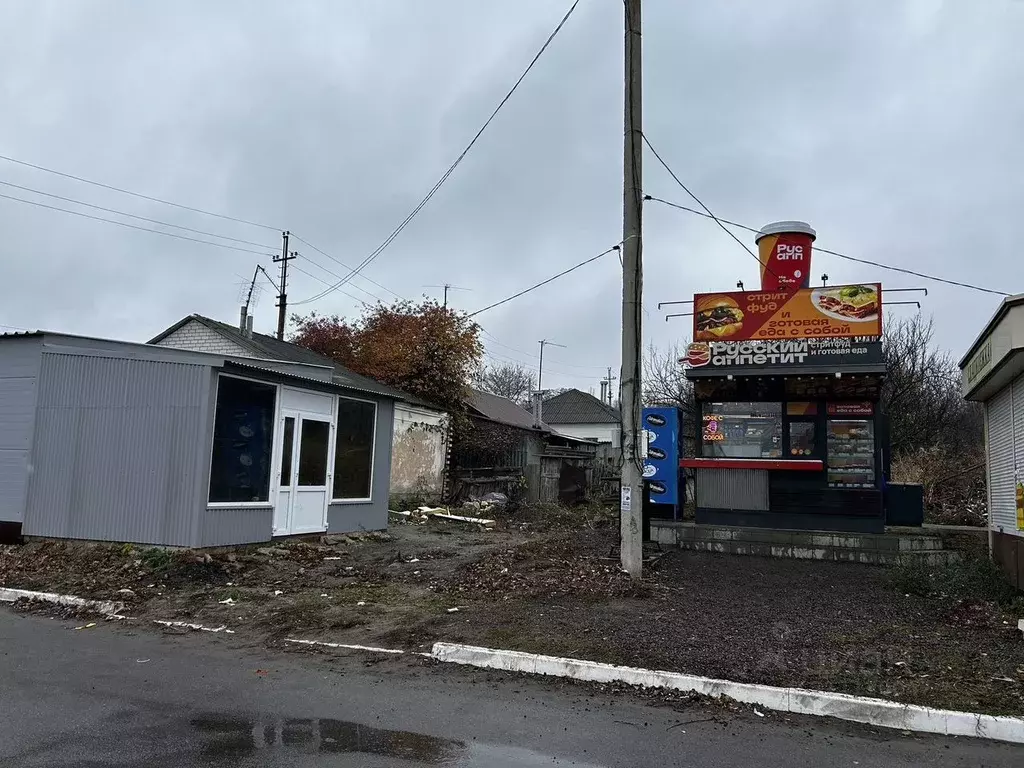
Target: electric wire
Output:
{"points": [[847, 257], [134, 226], [132, 215], [544, 282], [376, 252], [700, 202], [346, 266], [137, 194]]}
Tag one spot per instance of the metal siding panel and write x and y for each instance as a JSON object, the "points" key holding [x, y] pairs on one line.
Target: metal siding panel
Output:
{"points": [[115, 454], [372, 516], [1001, 497], [224, 526], [19, 382], [1018, 446], [732, 489]]}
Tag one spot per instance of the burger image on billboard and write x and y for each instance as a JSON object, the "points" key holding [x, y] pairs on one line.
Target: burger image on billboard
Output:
{"points": [[697, 354], [717, 317]]}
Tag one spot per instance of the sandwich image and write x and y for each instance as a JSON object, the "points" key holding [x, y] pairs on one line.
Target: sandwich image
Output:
{"points": [[697, 354], [855, 301], [718, 316]]}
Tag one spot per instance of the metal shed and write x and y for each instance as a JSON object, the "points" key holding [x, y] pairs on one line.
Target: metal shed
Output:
{"points": [[993, 374], [116, 441]]}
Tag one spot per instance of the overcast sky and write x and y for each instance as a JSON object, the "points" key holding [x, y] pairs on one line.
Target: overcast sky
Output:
{"points": [[892, 127]]}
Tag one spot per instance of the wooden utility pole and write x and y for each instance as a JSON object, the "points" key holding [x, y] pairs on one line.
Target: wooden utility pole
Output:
{"points": [[282, 297], [631, 499]]}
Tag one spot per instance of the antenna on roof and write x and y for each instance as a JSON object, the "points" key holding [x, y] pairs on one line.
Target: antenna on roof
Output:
{"points": [[244, 318]]}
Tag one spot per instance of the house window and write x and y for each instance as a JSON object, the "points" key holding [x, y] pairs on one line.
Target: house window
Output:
{"points": [[243, 437], [353, 449]]}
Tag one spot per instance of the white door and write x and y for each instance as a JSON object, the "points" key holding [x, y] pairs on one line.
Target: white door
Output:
{"points": [[303, 475]]}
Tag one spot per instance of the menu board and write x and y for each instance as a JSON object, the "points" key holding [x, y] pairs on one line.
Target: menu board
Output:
{"points": [[851, 453]]}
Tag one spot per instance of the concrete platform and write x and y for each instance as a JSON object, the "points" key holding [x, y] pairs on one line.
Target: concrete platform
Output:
{"points": [[931, 545]]}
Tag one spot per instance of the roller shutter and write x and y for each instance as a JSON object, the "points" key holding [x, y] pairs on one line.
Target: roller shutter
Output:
{"points": [[1000, 420]]}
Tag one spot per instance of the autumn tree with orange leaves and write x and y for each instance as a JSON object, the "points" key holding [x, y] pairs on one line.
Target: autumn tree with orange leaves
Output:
{"points": [[422, 348]]}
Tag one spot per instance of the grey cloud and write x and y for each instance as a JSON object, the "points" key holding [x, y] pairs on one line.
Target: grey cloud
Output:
{"points": [[892, 128]]}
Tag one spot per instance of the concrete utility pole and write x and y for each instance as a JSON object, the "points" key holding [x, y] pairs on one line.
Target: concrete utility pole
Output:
{"points": [[631, 500], [282, 297], [540, 379]]}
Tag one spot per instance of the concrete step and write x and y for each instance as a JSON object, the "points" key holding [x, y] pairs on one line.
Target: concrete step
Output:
{"points": [[888, 548]]}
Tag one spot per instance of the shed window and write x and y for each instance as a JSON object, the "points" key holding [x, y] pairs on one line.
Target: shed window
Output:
{"points": [[243, 437], [353, 450]]}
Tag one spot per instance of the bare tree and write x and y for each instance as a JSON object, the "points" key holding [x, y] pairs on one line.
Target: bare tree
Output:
{"points": [[921, 394], [512, 381], [665, 384]]}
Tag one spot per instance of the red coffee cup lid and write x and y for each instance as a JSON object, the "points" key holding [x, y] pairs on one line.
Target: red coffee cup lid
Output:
{"points": [[779, 227]]}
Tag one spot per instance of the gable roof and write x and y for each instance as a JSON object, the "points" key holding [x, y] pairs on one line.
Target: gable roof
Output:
{"points": [[576, 407], [271, 348], [501, 410]]}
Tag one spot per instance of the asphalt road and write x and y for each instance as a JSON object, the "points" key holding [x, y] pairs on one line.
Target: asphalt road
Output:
{"points": [[108, 696]]}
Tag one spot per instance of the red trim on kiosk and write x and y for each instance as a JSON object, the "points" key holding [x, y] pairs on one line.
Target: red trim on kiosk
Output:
{"points": [[807, 465]]}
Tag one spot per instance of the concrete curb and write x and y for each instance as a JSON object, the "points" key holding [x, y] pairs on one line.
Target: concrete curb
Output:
{"points": [[323, 644], [100, 606], [859, 709]]}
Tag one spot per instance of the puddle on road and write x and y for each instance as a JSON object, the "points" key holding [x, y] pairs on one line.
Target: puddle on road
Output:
{"points": [[232, 738]]}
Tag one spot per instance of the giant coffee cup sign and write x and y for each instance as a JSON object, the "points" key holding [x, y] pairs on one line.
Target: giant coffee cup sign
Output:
{"points": [[784, 250]]}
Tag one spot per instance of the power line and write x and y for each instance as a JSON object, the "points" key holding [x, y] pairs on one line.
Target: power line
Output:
{"points": [[346, 266], [836, 253], [132, 215], [545, 282], [495, 340], [137, 194], [405, 222], [321, 280], [318, 265], [133, 226], [725, 229]]}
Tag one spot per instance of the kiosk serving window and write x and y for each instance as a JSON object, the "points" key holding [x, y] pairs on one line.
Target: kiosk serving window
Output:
{"points": [[742, 430]]}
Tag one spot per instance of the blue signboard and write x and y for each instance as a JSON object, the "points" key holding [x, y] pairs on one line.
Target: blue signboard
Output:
{"points": [[661, 467]]}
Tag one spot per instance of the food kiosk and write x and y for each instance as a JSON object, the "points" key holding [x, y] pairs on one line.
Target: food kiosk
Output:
{"points": [[787, 382]]}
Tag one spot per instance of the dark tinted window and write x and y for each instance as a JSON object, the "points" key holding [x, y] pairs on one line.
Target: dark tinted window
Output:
{"points": [[313, 452], [243, 437], [353, 455], [286, 452]]}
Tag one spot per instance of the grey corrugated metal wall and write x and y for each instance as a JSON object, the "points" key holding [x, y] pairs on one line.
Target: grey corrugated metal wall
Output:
{"points": [[1002, 502], [120, 450], [372, 516], [19, 376], [227, 526], [732, 489]]}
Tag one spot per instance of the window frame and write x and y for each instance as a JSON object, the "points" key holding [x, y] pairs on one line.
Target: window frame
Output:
{"points": [[272, 492], [334, 450]]}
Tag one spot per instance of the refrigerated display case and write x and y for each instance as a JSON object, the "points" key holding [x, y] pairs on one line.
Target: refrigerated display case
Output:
{"points": [[851, 453]]}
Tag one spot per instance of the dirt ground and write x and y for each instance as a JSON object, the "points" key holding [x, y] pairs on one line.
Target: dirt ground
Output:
{"points": [[549, 582]]}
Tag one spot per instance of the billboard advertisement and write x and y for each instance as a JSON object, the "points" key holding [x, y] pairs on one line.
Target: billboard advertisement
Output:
{"points": [[661, 467], [840, 311]]}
